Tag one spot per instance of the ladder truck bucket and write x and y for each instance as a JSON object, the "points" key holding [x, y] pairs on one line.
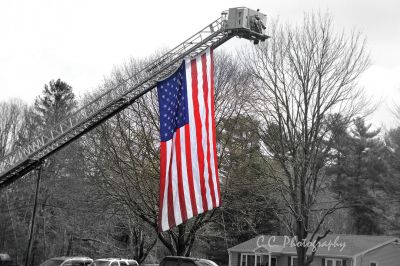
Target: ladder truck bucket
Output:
{"points": [[247, 23]]}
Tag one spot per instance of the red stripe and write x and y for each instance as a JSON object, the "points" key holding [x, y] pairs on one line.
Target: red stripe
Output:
{"points": [[198, 124], [163, 165], [181, 192], [205, 89], [189, 170], [170, 201], [213, 124]]}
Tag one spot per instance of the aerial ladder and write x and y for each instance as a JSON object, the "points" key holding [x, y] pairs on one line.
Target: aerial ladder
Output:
{"points": [[241, 22]]}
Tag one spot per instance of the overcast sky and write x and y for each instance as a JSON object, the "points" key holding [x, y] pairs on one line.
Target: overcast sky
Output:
{"points": [[81, 41]]}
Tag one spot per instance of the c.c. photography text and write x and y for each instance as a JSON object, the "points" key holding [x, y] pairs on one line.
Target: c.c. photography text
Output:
{"points": [[292, 242]]}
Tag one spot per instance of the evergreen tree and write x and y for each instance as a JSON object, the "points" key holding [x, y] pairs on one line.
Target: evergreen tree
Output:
{"points": [[248, 201], [359, 170], [392, 140], [392, 188], [56, 102], [60, 174]]}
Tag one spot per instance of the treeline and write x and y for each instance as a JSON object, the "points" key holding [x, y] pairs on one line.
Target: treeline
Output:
{"points": [[296, 156]]}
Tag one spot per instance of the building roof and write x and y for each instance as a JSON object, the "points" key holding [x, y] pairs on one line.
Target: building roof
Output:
{"points": [[332, 245]]}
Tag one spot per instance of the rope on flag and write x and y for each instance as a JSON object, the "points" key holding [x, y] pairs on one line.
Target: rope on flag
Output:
{"points": [[189, 182]]}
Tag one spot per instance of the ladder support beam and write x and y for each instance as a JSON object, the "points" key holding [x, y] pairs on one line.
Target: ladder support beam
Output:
{"points": [[22, 160]]}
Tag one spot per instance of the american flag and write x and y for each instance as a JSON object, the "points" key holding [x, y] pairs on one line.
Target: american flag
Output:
{"points": [[189, 183]]}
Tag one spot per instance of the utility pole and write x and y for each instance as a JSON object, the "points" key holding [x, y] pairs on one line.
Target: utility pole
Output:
{"points": [[33, 219]]}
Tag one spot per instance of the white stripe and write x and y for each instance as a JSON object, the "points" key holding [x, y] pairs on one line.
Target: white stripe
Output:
{"points": [[193, 140], [185, 181], [164, 211], [211, 130], [202, 109], [175, 189]]}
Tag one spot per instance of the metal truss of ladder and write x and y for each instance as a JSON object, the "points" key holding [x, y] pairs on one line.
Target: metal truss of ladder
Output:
{"points": [[20, 161]]}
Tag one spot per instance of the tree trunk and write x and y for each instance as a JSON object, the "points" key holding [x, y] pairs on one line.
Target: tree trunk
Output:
{"points": [[180, 245], [13, 228], [32, 225], [301, 252], [70, 244], [44, 237]]}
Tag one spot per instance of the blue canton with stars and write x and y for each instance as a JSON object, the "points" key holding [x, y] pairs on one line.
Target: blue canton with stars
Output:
{"points": [[173, 103]]}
